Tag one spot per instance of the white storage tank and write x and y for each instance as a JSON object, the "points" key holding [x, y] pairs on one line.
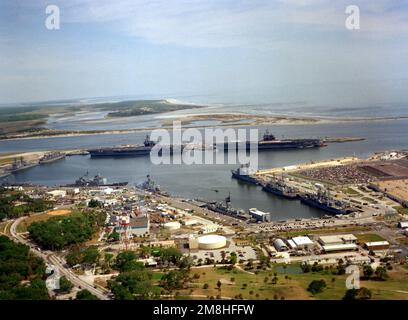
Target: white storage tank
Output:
{"points": [[174, 225], [212, 241]]}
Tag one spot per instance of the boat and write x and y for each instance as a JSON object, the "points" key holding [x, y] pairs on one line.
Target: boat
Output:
{"points": [[269, 142], [226, 209], [149, 185], [51, 157], [20, 165], [96, 181], [278, 187], [243, 173], [124, 151], [322, 200]]}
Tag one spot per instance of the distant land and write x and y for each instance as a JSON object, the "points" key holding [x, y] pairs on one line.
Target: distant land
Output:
{"points": [[31, 120]]}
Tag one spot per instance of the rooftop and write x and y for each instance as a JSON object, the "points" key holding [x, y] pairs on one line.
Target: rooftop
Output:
{"points": [[301, 241]]}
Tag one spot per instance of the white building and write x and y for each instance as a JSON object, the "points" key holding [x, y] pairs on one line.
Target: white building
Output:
{"points": [[259, 215], [303, 242], [209, 228], [403, 224]]}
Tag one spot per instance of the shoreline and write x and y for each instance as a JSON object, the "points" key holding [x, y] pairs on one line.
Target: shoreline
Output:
{"points": [[225, 119]]}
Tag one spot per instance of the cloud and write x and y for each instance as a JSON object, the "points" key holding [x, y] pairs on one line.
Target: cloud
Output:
{"points": [[227, 23]]}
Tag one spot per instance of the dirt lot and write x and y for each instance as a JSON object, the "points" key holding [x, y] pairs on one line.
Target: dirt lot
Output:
{"points": [[397, 188]]}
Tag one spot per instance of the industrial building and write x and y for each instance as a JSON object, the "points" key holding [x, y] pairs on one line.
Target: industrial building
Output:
{"points": [[377, 245], [259, 215], [280, 245], [337, 239], [209, 228], [138, 226], [339, 247], [303, 242]]}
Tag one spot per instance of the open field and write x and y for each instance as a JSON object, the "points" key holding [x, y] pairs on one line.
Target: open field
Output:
{"points": [[369, 237], [397, 188], [291, 284], [22, 227]]}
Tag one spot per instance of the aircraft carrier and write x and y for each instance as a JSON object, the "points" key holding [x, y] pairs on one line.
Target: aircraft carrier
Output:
{"points": [[268, 142]]}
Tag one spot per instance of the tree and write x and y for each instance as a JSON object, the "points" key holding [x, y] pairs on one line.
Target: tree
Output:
{"points": [[172, 280], [358, 294], [368, 271], [114, 236], [65, 286], [316, 286], [233, 258], [381, 273], [85, 295], [134, 285], [108, 258], [219, 284], [21, 273], [94, 204], [185, 263], [125, 261], [205, 286], [170, 255]]}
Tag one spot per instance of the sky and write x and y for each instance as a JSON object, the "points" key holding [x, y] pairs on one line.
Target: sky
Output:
{"points": [[242, 51]]}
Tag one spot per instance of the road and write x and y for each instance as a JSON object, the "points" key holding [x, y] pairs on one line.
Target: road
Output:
{"points": [[58, 262]]}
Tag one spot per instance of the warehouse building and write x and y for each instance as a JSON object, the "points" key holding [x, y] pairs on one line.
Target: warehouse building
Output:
{"points": [[303, 242], [337, 239], [280, 245], [339, 247], [259, 215], [377, 245]]}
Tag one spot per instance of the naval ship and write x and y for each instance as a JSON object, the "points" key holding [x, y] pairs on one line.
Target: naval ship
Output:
{"points": [[323, 200], [243, 173], [279, 188], [96, 181], [124, 151], [51, 157], [226, 209], [269, 142]]}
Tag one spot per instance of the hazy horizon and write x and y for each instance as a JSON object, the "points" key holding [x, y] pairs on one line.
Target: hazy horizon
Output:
{"points": [[277, 51]]}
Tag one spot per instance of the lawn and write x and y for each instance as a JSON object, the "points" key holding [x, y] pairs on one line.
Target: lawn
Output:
{"points": [[23, 225], [369, 237], [401, 210], [290, 286]]}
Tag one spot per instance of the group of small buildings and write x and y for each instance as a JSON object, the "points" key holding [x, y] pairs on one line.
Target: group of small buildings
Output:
{"points": [[324, 244]]}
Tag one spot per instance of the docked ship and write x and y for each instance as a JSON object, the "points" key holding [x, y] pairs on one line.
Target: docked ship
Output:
{"points": [[20, 165], [96, 181], [149, 185], [279, 188], [323, 201], [245, 174], [269, 142], [124, 151], [226, 209], [51, 157]]}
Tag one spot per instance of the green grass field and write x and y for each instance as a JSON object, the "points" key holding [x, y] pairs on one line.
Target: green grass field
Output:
{"points": [[369, 237], [290, 285]]}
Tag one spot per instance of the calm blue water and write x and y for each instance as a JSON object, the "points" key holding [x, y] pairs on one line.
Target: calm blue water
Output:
{"points": [[202, 181]]}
